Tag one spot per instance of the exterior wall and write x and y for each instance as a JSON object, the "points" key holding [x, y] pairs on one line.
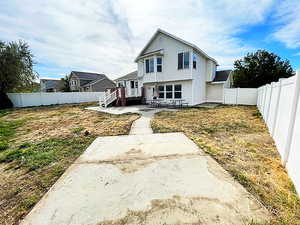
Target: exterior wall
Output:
{"points": [[171, 48], [186, 90], [211, 70], [102, 86], [214, 93], [74, 87], [129, 92], [199, 80]]}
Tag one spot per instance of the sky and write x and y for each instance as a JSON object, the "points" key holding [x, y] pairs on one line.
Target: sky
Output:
{"points": [[105, 36]]}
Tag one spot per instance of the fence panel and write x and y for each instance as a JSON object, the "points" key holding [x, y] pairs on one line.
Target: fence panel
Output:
{"points": [[240, 96], [280, 107], [37, 99]]}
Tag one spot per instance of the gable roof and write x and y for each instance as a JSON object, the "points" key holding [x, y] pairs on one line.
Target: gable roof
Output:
{"points": [[222, 75], [88, 76], [160, 31], [129, 76]]}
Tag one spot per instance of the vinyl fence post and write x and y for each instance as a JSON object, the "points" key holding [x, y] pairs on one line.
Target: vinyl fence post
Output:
{"points": [[264, 102], [236, 96], [276, 109], [292, 119], [269, 103]]}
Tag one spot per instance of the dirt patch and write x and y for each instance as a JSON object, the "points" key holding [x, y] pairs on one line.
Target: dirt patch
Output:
{"points": [[135, 159], [181, 210], [66, 121], [238, 139]]}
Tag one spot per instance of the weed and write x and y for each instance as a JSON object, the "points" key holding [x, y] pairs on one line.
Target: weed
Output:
{"points": [[3, 145], [77, 130]]}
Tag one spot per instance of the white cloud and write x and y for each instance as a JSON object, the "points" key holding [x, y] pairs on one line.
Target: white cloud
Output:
{"points": [[288, 23], [105, 36]]}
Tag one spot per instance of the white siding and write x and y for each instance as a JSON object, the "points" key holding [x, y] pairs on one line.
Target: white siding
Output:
{"points": [[199, 83], [171, 49], [214, 93]]}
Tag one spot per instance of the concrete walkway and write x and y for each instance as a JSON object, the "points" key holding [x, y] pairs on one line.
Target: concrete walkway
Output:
{"points": [[145, 178]]}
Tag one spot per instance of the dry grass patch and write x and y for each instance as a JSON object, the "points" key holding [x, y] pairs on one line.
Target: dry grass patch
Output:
{"points": [[38, 144], [239, 140]]}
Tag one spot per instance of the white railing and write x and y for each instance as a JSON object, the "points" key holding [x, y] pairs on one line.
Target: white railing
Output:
{"points": [[107, 99]]}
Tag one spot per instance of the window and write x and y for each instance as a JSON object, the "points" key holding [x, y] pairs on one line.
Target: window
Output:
{"points": [[161, 91], [183, 60], [136, 84], [150, 65], [132, 84], [194, 61], [159, 64], [180, 61], [186, 60], [147, 65], [169, 91], [177, 91]]}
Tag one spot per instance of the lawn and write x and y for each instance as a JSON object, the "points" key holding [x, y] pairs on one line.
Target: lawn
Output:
{"points": [[238, 139], [38, 144]]}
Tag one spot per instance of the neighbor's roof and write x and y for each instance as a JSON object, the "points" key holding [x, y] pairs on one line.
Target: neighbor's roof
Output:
{"points": [[222, 75], [129, 76], [88, 76], [178, 39], [52, 83], [99, 80]]}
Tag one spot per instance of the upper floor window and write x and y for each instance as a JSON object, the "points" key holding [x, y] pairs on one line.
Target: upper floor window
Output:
{"points": [[194, 61], [150, 65], [183, 60], [159, 64], [74, 82]]}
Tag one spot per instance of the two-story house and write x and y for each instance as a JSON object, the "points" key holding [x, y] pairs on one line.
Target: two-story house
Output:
{"points": [[170, 68], [89, 82]]}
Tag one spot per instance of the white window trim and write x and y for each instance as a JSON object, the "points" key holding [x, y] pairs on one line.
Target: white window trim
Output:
{"points": [[173, 92], [189, 66], [159, 64], [145, 67]]}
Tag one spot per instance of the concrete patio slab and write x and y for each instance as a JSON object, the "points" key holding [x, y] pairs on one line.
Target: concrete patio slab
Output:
{"points": [[109, 148], [145, 179]]}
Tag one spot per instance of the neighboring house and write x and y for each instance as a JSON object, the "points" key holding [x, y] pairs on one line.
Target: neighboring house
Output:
{"points": [[51, 85], [169, 68], [131, 83], [90, 82]]}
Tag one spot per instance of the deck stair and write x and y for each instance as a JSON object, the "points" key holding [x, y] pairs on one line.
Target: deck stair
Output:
{"points": [[107, 99]]}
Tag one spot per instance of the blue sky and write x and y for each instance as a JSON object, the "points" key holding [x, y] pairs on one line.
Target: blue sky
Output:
{"points": [[105, 36]]}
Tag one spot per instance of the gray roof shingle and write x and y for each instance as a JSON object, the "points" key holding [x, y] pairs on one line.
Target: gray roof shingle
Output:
{"points": [[129, 76], [88, 76], [222, 75]]}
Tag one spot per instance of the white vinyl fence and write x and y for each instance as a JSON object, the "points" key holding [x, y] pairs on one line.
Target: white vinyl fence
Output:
{"points": [[279, 105], [42, 98], [240, 96]]}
